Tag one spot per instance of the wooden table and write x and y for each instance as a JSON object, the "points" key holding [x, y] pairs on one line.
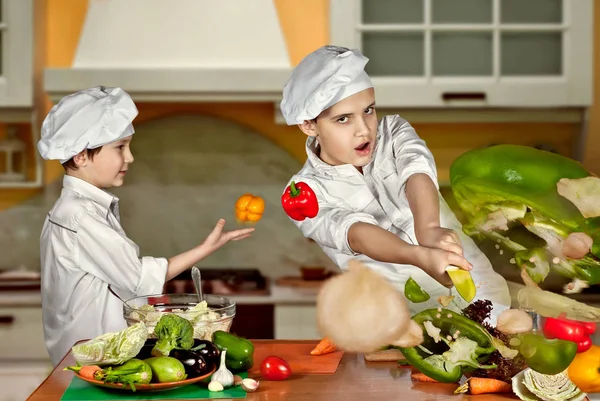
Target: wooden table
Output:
{"points": [[355, 380]]}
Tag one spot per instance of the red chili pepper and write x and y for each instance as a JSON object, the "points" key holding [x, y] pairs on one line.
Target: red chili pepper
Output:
{"points": [[299, 201], [570, 330]]}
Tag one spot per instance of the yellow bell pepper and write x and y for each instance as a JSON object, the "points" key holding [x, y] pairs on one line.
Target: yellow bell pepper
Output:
{"points": [[584, 371], [249, 208]]}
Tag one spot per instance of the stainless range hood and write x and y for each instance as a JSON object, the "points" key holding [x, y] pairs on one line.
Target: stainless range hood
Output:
{"points": [[184, 50]]}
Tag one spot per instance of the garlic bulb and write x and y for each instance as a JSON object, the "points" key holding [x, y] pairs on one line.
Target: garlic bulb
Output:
{"points": [[223, 375], [360, 311]]}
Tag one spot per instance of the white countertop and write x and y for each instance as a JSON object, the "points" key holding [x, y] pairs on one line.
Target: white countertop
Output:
{"points": [[279, 295]]}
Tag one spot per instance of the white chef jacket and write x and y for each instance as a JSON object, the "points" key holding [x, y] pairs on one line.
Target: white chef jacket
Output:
{"points": [[83, 249], [377, 196]]}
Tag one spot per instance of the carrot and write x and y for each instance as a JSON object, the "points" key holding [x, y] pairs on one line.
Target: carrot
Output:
{"points": [[85, 371], [483, 385], [325, 346], [422, 377]]}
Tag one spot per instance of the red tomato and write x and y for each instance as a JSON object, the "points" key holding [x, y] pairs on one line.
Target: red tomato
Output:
{"points": [[275, 368]]}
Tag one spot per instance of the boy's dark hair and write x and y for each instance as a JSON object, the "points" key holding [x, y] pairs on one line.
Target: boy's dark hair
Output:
{"points": [[70, 164]]}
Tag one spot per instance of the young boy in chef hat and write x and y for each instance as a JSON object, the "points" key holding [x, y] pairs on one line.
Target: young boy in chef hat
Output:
{"points": [[376, 184], [84, 249]]}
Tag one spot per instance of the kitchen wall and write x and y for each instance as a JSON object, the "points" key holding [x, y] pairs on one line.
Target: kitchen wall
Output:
{"points": [[60, 26], [188, 172]]}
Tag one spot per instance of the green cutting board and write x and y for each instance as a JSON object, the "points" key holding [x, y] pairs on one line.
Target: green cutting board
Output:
{"points": [[80, 390]]}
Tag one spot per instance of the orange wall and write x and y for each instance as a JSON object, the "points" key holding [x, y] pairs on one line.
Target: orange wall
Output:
{"points": [[305, 26], [65, 19]]}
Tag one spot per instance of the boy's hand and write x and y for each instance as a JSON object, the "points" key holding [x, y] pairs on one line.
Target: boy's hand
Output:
{"points": [[217, 238], [440, 238], [435, 261]]}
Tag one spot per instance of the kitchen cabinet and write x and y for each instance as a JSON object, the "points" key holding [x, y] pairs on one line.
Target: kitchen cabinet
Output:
{"points": [[293, 322], [16, 53], [475, 53], [254, 321], [24, 362]]}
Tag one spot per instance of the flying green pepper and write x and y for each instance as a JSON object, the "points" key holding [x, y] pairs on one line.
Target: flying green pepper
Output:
{"points": [[501, 186], [549, 357], [240, 351], [414, 293], [457, 344]]}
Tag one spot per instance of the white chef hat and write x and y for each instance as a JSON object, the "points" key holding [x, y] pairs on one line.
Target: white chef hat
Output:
{"points": [[322, 79], [86, 119]]}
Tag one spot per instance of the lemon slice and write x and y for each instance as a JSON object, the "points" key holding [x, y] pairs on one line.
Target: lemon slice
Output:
{"points": [[463, 282]]}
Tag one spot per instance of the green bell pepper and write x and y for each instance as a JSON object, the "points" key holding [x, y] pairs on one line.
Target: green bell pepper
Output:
{"points": [[503, 185], [549, 357], [240, 351], [414, 293], [463, 344]]}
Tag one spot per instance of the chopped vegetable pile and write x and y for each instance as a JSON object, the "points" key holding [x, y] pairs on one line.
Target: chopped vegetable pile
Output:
{"points": [[465, 348], [479, 311], [130, 359]]}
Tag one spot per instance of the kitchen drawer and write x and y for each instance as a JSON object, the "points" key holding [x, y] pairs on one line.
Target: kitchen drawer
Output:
{"points": [[22, 335]]}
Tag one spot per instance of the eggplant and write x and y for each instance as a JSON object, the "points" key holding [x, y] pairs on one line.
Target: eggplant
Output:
{"points": [[194, 363], [146, 350], [207, 350]]}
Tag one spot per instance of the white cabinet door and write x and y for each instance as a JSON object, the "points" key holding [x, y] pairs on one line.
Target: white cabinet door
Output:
{"points": [[296, 322], [24, 362], [441, 53], [19, 380], [23, 339]]}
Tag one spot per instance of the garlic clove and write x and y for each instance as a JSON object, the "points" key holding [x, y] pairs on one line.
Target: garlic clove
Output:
{"points": [[215, 386], [237, 380], [249, 385], [514, 321]]}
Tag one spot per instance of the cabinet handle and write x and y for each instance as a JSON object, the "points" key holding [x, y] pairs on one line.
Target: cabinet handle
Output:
{"points": [[7, 319], [447, 96]]}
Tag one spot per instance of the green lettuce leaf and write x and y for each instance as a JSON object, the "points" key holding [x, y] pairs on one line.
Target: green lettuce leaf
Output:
{"points": [[111, 348]]}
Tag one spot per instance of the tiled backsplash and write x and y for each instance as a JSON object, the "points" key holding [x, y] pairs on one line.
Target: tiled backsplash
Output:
{"points": [[188, 173]]}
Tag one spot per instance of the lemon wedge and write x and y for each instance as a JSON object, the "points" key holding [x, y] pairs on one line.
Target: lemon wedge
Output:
{"points": [[463, 282]]}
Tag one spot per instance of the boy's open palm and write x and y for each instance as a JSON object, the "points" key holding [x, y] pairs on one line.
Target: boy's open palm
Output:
{"points": [[435, 261], [217, 238]]}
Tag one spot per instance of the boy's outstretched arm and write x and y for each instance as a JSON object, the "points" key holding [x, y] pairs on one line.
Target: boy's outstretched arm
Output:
{"points": [[216, 239], [424, 202], [384, 246]]}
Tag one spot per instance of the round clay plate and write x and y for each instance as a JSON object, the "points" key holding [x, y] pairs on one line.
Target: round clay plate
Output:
{"points": [[147, 387]]}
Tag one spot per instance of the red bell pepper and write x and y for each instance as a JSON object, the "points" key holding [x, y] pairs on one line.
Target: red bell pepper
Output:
{"points": [[299, 201], [570, 330]]}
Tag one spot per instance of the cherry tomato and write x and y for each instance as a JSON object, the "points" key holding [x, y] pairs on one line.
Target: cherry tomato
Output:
{"points": [[275, 368]]}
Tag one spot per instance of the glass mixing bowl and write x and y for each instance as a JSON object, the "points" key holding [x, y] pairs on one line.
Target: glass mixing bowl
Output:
{"points": [[215, 313]]}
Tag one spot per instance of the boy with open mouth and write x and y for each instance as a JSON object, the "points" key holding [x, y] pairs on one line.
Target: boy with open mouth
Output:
{"points": [[375, 184]]}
